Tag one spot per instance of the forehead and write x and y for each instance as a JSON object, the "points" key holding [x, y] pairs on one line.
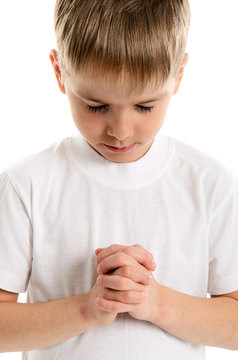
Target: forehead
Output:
{"points": [[120, 89]]}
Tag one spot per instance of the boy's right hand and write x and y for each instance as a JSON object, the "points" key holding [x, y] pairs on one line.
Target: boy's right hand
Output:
{"points": [[97, 317], [94, 315]]}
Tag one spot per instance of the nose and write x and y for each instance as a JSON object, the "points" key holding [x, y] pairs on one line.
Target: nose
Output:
{"points": [[120, 127]]}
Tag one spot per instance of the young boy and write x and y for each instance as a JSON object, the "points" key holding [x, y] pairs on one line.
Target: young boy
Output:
{"points": [[84, 223]]}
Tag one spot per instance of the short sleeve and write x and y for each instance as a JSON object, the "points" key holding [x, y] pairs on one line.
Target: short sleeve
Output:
{"points": [[223, 240], [15, 239]]}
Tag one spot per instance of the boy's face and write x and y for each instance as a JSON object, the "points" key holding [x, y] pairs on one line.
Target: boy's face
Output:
{"points": [[118, 126]]}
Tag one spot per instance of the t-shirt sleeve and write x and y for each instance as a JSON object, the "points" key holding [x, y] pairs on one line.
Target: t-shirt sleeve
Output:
{"points": [[223, 240], [15, 239]]}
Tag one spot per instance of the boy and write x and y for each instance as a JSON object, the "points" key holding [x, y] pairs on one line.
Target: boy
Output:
{"points": [[117, 184]]}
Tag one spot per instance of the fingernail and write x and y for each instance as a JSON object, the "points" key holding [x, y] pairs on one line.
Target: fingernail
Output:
{"points": [[150, 279], [153, 264]]}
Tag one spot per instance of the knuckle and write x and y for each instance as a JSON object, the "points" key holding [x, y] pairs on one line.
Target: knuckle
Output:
{"points": [[113, 247], [127, 271], [137, 246], [128, 250], [116, 307], [109, 295], [128, 296], [120, 257]]}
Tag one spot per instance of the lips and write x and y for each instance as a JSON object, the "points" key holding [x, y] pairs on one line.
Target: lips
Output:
{"points": [[115, 147], [122, 149]]}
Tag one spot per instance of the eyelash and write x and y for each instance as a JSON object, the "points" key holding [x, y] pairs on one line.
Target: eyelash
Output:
{"points": [[95, 109]]}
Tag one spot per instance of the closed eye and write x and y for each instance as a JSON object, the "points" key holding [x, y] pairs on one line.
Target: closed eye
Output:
{"points": [[95, 109], [145, 108]]}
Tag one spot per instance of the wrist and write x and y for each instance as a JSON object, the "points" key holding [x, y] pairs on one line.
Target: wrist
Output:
{"points": [[85, 311], [159, 313]]}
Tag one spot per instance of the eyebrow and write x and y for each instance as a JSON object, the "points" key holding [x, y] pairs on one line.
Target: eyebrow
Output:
{"points": [[99, 101]]}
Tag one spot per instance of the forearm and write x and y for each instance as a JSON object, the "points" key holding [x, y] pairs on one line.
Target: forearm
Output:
{"points": [[211, 322], [33, 326]]}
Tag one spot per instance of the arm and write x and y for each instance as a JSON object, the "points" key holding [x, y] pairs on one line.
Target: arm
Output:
{"points": [[211, 322], [25, 327]]}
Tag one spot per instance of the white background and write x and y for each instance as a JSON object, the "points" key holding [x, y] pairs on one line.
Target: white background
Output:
{"points": [[34, 114]]}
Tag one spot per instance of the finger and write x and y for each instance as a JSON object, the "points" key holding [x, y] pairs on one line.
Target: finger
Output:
{"points": [[115, 261], [127, 297], [97, 251], [112, 306], [136, 251], [116, 282], [141, 255], [135, 273], [110, 250]]}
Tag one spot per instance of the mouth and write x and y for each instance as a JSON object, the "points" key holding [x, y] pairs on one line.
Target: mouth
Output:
{"points": [[119, 150]]}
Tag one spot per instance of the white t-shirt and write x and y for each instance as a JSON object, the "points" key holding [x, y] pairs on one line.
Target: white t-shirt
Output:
{"points": [[59, 205]]}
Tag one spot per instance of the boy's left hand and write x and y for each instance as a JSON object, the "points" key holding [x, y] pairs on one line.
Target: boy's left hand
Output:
{"points": [[123, 269]]}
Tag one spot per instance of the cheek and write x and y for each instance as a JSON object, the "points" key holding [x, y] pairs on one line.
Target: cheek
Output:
{"points": [[88, 124], [153, 122]]}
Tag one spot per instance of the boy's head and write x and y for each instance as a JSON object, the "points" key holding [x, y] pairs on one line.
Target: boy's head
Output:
{"points": [[123, 54]]}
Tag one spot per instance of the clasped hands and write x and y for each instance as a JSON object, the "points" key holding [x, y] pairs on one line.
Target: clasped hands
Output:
{"points": [[126, 281]]}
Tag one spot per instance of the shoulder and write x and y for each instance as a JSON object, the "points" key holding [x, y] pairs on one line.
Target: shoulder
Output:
{"points": [[38, 168], [33, 164], [197, 162], [201, 171]]}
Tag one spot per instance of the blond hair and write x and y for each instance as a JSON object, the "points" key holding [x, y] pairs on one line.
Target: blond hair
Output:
{"points": [[147, 38]]}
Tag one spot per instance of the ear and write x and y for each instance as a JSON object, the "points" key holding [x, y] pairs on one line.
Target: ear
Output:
{"points": [[54, 61], [181, 72]]}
